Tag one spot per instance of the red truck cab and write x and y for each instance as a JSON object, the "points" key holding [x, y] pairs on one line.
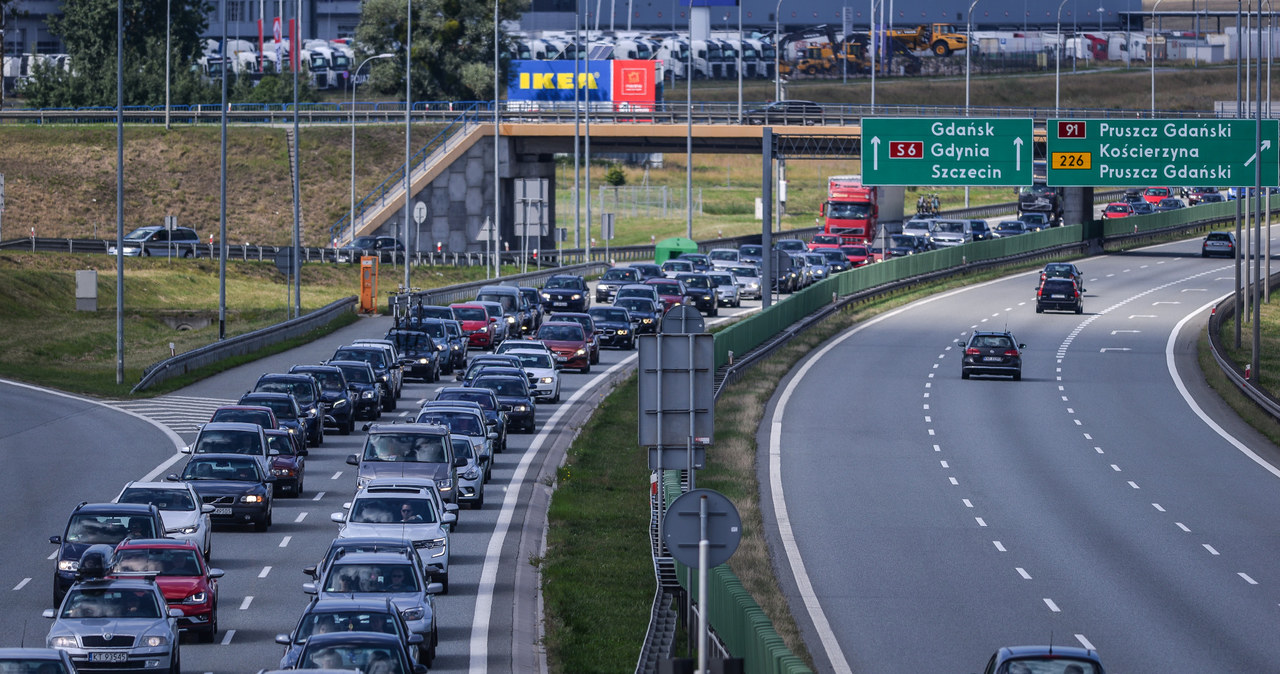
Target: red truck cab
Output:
{"points": [[851, 209]]}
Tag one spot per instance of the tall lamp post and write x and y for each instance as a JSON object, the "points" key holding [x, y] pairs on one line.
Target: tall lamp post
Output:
{"points": [[1152, 56], [1057, 63], [354, 77], [168, 21], [777, 53], [408, 106], [968, 49]]}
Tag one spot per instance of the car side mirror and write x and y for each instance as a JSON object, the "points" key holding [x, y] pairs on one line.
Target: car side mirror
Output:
{"points": [[176, 613], [449, 518], [459, 462], [1022, 346], [353, 460], [303, 452], [216, 573], [185, 450], [435, 588], [172, 478], [309, 588], [284, 639], [50, 613], [338, 517], [959, 342], [309, 570], [56, 540], [207, 508]]}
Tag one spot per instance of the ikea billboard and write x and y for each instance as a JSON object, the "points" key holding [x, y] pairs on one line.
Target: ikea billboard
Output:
{"points": [[626, 84]]}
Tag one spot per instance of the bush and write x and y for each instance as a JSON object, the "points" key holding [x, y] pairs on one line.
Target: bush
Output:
{"points": [[614, 176]]}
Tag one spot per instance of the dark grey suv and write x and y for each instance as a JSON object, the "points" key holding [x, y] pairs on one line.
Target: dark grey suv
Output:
{"points": [[1059, 294], [991, 353], [786, 112]]}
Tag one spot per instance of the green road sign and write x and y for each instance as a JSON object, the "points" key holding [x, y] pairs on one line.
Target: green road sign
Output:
{"points": [[961, 151], [1138, 152]]}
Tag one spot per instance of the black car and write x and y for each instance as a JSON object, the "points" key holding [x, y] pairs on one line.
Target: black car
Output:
{"points": [[418, 353], [1063, 270], [99, 523], [536, 310], [284, 406], [981, 230], [1219, 243], [750, 252], [233, 484], [566, 292], [386, 248], [488, 402], [376, 357], [343, 614], [785, 112], [647, 270], [1059, 294], [339, 397], [700, 291], [445, 345], [615, 325], [1011, 228], [304, 389], [905, 244], [615, 278], [513, 393], [645, 314], [363, 382], [991, 353]]}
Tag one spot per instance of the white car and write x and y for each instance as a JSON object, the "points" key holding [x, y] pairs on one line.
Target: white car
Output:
{"points": [[726, 288], [544, 379], [748, 278], [184, 516], [408, 508], [522, 345]]}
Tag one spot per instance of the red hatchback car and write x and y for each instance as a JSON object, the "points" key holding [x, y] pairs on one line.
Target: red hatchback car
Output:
{"points": [[1153, 195], [568, 342], [858, 254], [1118, 209], [180, 571], [670, 292], [477, 324]]}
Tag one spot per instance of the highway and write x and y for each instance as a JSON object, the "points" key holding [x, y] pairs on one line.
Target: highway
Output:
{"points": [[1108, 500], [63, 449]]}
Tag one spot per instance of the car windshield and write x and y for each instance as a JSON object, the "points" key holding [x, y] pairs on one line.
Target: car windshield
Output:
{"points": [[1038, 190], [21, 665], [281, 407], [110, 603], [751, 250], [367, 659], [1113, 208], [371, 577], [138, 235], [482, 398], [159, 561], [563, 282], [747, 271], [470, 313], [508, 302], [721, 279], [667, 288], [635, 304], [218, 441], [1048, 665], [503, 386], [430, 311], [677, 265], [696, 281], [539, 360], [329, 379], [302, 391], [1157, 192], [730, 255], [409, 447], [236, 470], [841, 210], [465, 423], [462, 449], [620, 275], [854, 250], [833, 256], [391, 509], [408, 341], [902, 240], [358, 375], [635, 292], [614, 315], [561, 333], [260, 417], [164, 499], [374, 357], [109, 529], [1007, 226], [281, 443], [345, 621], [952, 227]]}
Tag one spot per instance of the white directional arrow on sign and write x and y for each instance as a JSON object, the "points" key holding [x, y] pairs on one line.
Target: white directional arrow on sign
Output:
{"points": [[1265, 144], [875, 153], [1017, 153]]}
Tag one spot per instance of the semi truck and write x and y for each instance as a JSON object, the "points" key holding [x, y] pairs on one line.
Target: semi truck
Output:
{"points": [[854, 211]]}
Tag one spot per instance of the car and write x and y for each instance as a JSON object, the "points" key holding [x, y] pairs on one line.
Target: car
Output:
{"points": [[820, 241], [836, 260], [186, 581], [458, 344], [726, 287], [750, 252], [306, 391], [288, 462], [647, 270], [515, 395], [339, 396], [645, 314], [615, 327], [489, 360], [541, 365], [364, 384], [1037, 659], [644, 290], [566, 292], [995, 353], [386, 369], [249, 414], [226, 437], [670, 292], [1196, 195], [419, 356], [1218, 243], [1143, 208], [503, 324], [403, 509], [110, 625], [592, 332], [385, 248], [817, 266], [487, 401], [613, 279], [980, 230], [396, 374], [420, 449], [700, 260], [921, 227], [1063, 270], [421, 312], [905, 244], [1214, 198], [470, 474], [515, 308], [675, 267], [35, 661], [478, 326], [358, 574], [747, 276], [1153, 195], [1170, 204], [463, 419], [99, 524], [1132, 195], [858, 254], [785, 112], [722, 257], [334, 615], [234, 484], [536, 311], [1035, 221], [1059, 294], [505, 348], [159, 241], [1007, 228], [345, 546], [791, 245], [369, 652], [286, 409], [569, 343], [1117, 209], [185, 518]]}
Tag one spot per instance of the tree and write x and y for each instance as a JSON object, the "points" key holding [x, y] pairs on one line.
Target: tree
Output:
{"points": [[88, 28], [452, 46]]}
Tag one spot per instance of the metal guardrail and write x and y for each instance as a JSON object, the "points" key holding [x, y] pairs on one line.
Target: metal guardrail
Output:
{"points": [[1223, 311]]}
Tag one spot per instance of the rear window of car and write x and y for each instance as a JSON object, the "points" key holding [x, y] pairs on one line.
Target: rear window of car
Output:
{"points": [[1217, 236]]}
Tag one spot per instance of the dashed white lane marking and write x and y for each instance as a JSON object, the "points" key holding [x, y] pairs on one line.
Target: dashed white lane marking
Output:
{"points": [[953, 481], [1023, 572], [1182, 526], [244, 605], [1158, 507], [301, 516], [1246, 578], [1115, 468], [1085, 642], [999, 546], [284, 542], [318, 496], [981, 522], [1213, 552], [226, 639], [21, 584], [1052, 606], [967, 503], [263, 573], [1134, 484], [336, 475]]}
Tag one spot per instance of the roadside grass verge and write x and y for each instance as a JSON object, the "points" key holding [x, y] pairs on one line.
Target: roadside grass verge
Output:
{"points": [[1269, 367]]}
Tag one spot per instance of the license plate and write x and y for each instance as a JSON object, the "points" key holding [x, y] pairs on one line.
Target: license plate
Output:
{"points": [[992, 359], [1058, 297], [559, 304], [221, 511], [111, 656]]}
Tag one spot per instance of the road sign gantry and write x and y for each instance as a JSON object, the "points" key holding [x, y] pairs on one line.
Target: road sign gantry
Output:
{"points": [[966, 151]]}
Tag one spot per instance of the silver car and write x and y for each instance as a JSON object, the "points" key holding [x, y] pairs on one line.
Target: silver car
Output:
{"points": [[952, 233], [470, 477], [407, 509], [111, 625], [723, 257], [185, 517], [726, 288], [540, 366], [748, 279]]}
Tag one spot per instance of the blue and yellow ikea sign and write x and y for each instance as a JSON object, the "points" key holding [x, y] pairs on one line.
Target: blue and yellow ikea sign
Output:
{"points": [[554, 81]]}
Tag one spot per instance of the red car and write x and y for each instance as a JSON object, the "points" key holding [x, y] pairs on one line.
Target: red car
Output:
{"points": [[824, 241], [289, 466], [568, 342], [184, 578], [858, 254], [670, 292], [1118, 209], [1153, 195], [477, 324]]}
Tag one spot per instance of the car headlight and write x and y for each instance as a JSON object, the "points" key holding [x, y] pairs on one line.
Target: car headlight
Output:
{"points": [[521, 408], [188, 530], [546, 380], [339, 403], [706, 297], [546, 296], [440, 347], [253, 498], [413, 613], [576, 296], [511, 319], [63, 642], [383, 377], [196, 598], [455, 347], [283, 472], [68, 565], [444, 484], [579, 352], [312, 412], [623, 331], [646, 320], [367, 395], [424, 361], [155, 641], [292, 429], [471, 474]]}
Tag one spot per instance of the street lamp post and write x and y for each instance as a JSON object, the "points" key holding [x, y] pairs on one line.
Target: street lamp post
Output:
{"points": [[168, 22], [777, 53], [408, 107], [1057, 63], [967, 51], [354, 77], [1152, 56]]}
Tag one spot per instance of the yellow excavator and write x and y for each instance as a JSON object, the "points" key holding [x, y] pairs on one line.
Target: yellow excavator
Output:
{"points": [[939, 38]]}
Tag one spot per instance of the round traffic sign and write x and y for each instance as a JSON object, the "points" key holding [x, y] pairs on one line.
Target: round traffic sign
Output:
{"points": [[682, 527]]}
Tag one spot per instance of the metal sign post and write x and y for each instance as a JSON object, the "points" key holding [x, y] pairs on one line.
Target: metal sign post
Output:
{"points": [[606, 232], [702, 530]]}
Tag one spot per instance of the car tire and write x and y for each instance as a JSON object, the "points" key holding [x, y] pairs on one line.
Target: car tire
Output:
{"points": [[1039, 309], [209, 635], [585, 369], [479, 502], [1079, 308], [964, 374], [444, 582], [556, 397], [298, 489], [262, 525], [426, 653], [1017, 376], [175, 665], [349, 426]]}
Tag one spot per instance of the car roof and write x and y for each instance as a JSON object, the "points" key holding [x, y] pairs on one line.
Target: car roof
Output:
{"points": [[350, 363], [314, 368], [132, 508], [30, 654], [242, 426], [348, 602], [422, 429], [168, 543], [175, 486]]}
